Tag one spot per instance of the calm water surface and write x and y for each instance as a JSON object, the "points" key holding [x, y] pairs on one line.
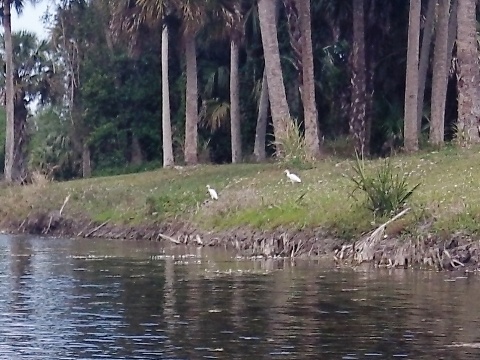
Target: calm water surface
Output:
{"points": [[98, 299]]}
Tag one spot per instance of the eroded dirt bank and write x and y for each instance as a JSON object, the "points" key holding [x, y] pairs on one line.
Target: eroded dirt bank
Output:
{"points": [[458, 252]]}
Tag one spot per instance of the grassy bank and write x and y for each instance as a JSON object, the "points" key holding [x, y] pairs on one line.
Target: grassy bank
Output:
{"points": [[259, 196]]}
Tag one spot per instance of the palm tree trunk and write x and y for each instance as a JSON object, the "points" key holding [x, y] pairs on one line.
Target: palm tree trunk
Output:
{"points": [[276, 87], [9, 90], [235, 127], [191, 123], [357, 123], [411, 87], [440, 75], [168, 159], [292, 11], [424, 58], [452, 31], [19, 167], [86, 162], [312, 132], [262, 119], [468, 103]]}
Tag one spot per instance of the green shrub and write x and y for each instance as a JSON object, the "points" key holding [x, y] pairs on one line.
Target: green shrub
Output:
{"points": [[291, 146], [386, 190]]}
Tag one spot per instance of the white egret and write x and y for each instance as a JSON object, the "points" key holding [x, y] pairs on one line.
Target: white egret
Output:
{"points": [[292, 177], [213, 193]]}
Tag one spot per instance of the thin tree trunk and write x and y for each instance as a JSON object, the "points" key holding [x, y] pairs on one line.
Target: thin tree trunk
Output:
{"points": [[440, 75], [452, 32], [276, 87], [262, 119], [9, 92], [411, 88], [312, 132], [86, 162], [19, 167], [137, 157], [357, 123], [191, 123], [424, 58], [167, 144], [468, 102], [235, 126], [295, 88]]}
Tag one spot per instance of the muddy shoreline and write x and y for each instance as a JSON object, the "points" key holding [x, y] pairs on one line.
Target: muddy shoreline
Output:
{"points": [[459, 252]]}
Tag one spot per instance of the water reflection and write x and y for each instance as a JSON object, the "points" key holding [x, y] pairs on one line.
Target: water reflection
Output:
{"points": [[85, 299]]}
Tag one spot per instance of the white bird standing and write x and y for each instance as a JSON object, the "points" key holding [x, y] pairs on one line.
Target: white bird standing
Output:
{"points": [[213, 193], [292, 177]]}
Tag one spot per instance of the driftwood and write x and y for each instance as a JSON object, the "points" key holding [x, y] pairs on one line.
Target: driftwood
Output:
{"points": [[364, 250], [96, 229], [56, 216], [169, 238]]}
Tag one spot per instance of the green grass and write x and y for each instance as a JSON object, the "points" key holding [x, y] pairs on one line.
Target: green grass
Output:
{"points": [[259, 196]]}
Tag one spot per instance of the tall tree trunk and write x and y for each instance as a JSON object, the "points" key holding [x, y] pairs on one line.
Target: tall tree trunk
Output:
{"points": [[86, 162], [292, 11], [262, 119], [271, 53], [357, 122], [452, 32], [468, 102], [312, 132], [424, 58], [19, 167], [235, 127], [440, 75], [167, 142], [9, 92], [411, 87], [191, 123]]}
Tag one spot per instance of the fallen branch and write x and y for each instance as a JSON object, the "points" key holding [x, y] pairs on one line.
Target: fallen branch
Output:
{"points": [[364, 249], [96, 229], [84, 229], [169, 238]]}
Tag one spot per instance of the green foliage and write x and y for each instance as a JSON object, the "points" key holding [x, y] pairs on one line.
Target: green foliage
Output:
{"points": [[50, 146], [291, 145], [386, 190]]}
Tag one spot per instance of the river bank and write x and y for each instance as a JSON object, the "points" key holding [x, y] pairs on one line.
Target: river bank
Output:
{"points": [[260, 213]]}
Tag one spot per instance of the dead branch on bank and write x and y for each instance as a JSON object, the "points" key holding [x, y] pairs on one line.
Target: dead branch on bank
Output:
{"points": [[364, 250]]}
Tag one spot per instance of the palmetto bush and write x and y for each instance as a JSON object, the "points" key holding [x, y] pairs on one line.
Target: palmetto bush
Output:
{"points": [[385, 190]]}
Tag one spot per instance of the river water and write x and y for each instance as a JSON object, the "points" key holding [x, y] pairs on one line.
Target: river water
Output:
{"points": [[100, 299]]}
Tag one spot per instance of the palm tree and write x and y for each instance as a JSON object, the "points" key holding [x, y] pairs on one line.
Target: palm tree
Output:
{"points": [[440, 74], [357, 124], [10, 173], [13, 172], [129, 17], [411, 87], [276, 89], [425, 57], [312, 133], [236, 31], [467, 73], [193, 15], [32, 77], [262, 119]]}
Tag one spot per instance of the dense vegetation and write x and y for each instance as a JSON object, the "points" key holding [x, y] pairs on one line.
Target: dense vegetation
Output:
{"points": [[97, 82]]}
